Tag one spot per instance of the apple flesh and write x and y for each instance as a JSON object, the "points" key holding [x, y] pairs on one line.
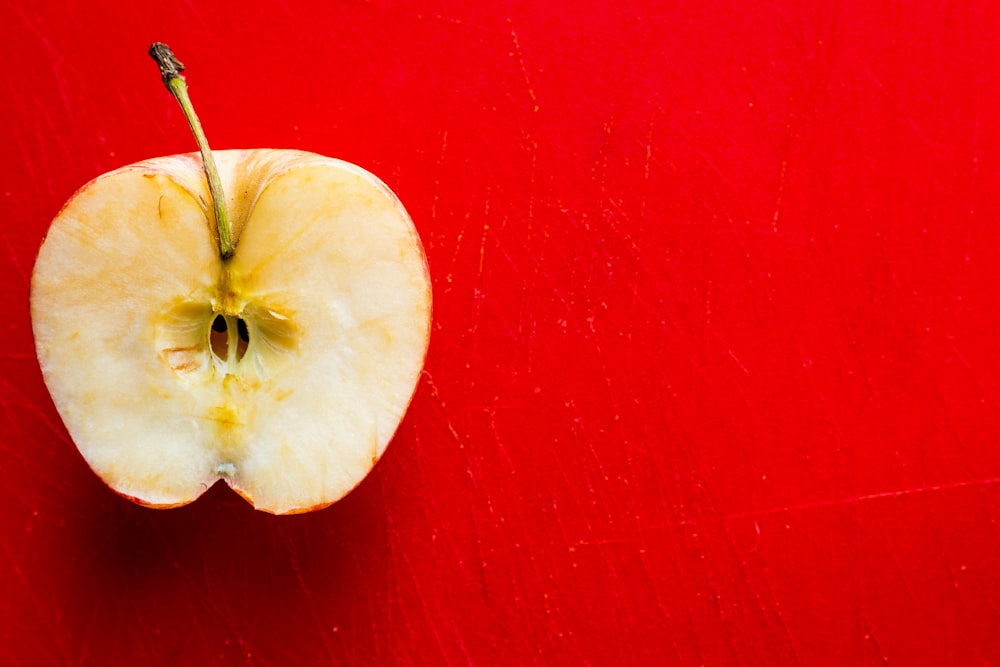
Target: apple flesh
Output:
{"points": [[283, 370]]}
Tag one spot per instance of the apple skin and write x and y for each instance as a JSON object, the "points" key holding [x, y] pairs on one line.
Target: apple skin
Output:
{"points": [[329, 281]]}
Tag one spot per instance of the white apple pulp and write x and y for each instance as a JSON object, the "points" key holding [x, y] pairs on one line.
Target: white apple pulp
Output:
{"points": [[322, 320]]}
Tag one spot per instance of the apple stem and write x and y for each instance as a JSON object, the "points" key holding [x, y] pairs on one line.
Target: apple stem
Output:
{"points": [[170, 71]]}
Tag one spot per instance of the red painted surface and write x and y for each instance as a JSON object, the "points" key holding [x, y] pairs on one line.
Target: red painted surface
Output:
{"points": [[714, 369]]}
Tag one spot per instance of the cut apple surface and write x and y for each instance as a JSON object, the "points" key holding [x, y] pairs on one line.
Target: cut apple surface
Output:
{"points": [[283, 370]]}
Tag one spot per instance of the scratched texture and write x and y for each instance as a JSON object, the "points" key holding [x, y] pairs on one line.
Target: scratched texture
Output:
{"points": [[713, 377]]}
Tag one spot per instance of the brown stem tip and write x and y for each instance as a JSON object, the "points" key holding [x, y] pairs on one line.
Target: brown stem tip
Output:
{"points": [[170, 67]]}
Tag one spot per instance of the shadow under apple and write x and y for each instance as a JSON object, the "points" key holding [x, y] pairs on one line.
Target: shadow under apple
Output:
{"points": [[218, 573]]}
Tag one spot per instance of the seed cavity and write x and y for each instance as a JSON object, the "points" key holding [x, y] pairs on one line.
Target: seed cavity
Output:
{"points": [[242, 338], [221, 337], [198, 337]]}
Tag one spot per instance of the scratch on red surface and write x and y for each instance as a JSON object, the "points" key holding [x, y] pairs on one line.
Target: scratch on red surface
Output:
{"points": [[478, 292], [447, 419], [532, 179], [780, 195], [56, 59], [195, 14], [482, 250], [62, 72], [401, 561], [766, 602], [83, 651], [647, 162], [10, 396], [526, 324], [457, 251], [437, 178], [776, 608], [15, 261], [40, 610], [869, 636], [861, 498], [520, 60], [321, 627]]}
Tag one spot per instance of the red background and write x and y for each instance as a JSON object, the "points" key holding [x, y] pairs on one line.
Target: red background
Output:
{"points": [[713, 377]]}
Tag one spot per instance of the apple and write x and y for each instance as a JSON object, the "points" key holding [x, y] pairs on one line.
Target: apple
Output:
{"points": [[276, 350]]}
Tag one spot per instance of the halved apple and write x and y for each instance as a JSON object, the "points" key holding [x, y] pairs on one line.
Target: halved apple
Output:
{"points": [[283, 369]]}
